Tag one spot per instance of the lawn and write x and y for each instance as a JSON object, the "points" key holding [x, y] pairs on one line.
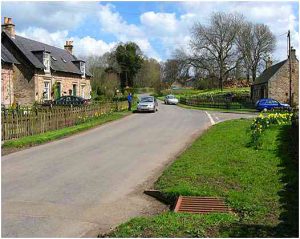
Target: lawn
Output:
{"points": [[57, 134], [194, 92], [207, 104], [260, 185], [242, 110]]}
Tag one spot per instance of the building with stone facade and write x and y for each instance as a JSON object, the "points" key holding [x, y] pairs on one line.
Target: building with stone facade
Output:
{"points": [[32, 71], [7, 71], [274, 82]]}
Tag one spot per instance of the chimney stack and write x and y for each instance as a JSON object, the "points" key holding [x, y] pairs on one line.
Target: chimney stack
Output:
{"points": [[69, 46], [293, 54], [269, 63], [9, 27]]}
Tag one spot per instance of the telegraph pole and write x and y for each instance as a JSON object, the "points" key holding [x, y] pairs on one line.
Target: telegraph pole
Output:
{"points": [[290, 68]]}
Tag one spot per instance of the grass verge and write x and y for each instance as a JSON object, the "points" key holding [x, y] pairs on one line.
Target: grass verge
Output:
{"points": [[57, 134], [260, 185], [219, 109]]}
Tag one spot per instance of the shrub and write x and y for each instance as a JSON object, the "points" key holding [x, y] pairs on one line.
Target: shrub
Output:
{"points": [[263, 122]]}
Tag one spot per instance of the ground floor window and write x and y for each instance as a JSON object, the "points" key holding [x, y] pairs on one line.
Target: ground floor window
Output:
{"points": [[74, 90], [82, 91], [46, 93]]}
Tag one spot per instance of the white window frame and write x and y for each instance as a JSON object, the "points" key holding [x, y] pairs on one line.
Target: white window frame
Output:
{"points": [[45, 90], [46, 62], [82, 68], [82, 91]]}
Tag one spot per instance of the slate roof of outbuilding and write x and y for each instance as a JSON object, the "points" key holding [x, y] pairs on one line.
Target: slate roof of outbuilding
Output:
{"points": [[268, 73], [58, 55], [7, 57]]}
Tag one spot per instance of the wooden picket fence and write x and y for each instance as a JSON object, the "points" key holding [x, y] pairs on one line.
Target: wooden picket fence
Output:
{"points": [[24, 122]]}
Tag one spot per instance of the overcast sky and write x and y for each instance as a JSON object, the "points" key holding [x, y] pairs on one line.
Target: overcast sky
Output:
{"points": [[157, 27]]}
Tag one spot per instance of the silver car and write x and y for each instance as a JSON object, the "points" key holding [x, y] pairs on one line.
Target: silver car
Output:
{"points": [[147, 103], [171, 100]]}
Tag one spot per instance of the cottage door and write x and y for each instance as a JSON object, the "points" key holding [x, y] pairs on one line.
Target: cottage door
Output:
{"points": [[58, 89], [262, 92]]}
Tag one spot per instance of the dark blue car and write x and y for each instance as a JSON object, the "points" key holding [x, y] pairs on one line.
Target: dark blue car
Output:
{"points": [[270, 104]]}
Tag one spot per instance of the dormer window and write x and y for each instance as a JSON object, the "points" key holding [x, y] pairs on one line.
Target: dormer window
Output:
{"points": [[46, 62], [82, 68]]}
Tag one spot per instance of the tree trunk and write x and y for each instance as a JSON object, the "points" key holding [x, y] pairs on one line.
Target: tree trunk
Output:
{"points": [[248, 76], [253, 75], [221, 83]]}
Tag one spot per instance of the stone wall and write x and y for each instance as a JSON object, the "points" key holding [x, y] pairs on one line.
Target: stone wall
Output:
{"points": [[7, 90], [67, 81], [23, 83], [278, 86]]}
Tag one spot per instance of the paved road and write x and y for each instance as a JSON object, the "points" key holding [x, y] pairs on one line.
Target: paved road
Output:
{"points": [[92, 181]]}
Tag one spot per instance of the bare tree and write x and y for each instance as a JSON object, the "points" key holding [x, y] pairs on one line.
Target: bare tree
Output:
{"points": [[255, 42], [214, 45], [171, 71]]}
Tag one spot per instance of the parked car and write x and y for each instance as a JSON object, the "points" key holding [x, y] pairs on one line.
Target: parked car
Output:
{"points": [[270, 104], [171, 100], [148, 104], [47, 103], [71, 101]]}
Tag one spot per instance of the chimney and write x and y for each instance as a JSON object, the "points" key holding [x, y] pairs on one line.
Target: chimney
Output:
{"points": [[293, 54], [269, 63], [69, 46], [9, 27]]}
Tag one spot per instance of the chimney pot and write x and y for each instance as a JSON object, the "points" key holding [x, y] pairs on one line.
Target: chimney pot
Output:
{"points": [[9, 27], [293, 53], [69, 46], [269, 63]]}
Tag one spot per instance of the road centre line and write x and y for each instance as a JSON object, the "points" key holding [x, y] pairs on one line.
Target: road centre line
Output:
{"points": [[210, 118]]}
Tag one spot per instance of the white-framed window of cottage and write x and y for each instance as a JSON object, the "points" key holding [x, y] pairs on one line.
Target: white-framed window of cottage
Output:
{"points": [[46, 92], [82, 68], [46, 62], [82, 91]]}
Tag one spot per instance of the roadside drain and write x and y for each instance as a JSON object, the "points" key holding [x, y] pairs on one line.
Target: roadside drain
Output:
{"points": [[201, 205]]}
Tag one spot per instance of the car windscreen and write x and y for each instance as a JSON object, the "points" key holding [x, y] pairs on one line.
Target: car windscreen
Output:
{"points": [[171, 97], [147, 99]]}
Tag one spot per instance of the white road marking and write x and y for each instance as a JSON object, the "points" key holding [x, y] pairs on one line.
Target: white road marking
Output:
{"points": [[217, 118], [210, 118]]}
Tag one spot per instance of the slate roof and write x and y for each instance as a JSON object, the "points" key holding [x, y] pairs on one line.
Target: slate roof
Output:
{"points": [[7, 57], [63, 59], [268, 73]]}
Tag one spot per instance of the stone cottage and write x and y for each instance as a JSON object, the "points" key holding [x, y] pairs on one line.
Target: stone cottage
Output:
{"points": [[274, 82], [33, 71], [7, 72]]}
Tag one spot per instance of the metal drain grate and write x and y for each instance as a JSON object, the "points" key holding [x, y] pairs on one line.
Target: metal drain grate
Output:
{"points": [[201, 205]]}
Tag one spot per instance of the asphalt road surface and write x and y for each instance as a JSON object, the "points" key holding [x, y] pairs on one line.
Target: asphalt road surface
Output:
{"points": [[92, 181]]}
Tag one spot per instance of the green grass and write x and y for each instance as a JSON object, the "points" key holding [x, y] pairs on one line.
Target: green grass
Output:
{"points": [[193, 92], [207, 93], [253, 182], [243, 110], [57, 134], [174, 225]]}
